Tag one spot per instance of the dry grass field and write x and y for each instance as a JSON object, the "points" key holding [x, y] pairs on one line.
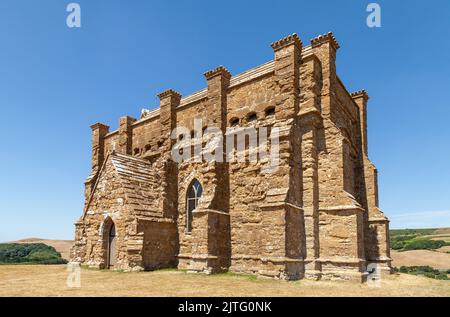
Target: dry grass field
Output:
{"points": [[436, 259], [36, 280], [50, 280], [440, 234]]}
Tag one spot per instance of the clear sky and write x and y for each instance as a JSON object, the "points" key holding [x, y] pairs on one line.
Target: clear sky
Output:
{"points": [[55, 82]]}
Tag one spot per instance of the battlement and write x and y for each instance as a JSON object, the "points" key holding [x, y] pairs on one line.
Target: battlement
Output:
{"points": [[325, 38], [288, 40]]}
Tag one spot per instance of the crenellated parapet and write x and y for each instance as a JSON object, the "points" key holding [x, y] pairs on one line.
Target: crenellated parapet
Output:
{"points": [[169, 93], [325, 38], [360, 94], [292, 39], [218, 71]]}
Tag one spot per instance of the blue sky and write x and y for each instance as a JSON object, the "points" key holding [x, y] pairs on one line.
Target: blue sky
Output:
{"points": [[55, 82]]}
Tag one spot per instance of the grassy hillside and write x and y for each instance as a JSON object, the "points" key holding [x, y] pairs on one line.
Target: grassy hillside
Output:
{"points": [[426, 271], [422, 252], [61, 246], [419, 239], [31, 253]]}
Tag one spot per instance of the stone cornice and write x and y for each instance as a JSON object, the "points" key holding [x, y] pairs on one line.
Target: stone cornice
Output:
{"points": [[252, 73], [199, 95], [203, 211], [273, 259], [292, 39], [341, 259], [379, 220], [342, 208], [110, 134], [307, 56], [99, 125], [325, 38]]}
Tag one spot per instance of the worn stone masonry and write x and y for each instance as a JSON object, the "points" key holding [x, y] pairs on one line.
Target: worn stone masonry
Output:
{"points": [[316, 216]]}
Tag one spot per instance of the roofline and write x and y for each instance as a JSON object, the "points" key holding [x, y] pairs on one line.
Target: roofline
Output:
{"points": [[237, 80]]}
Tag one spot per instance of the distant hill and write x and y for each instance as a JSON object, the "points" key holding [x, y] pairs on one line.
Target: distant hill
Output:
{"points": [[61, 246], [419, 239], [421, 247], [29, 253]]}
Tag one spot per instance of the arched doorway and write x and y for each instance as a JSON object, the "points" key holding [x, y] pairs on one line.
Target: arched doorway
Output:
{"points": [[112, 246]]}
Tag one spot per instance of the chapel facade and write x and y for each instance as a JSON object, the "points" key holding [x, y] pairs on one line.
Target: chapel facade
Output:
{"points": [[315, 216]]}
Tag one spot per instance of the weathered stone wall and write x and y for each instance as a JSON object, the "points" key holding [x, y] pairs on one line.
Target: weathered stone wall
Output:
{"points": [[341, 216], [111, 141], [107, 201], [252, 238], [251, 97], [160, 243], [145, 137], [187, 173], [315, 215]]}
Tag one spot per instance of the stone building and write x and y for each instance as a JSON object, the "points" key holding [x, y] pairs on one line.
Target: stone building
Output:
{"points": [[315, 216]]}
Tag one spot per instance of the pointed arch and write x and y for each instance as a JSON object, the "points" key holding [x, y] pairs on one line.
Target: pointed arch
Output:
{"points": [[193, 194], [109, 236]]}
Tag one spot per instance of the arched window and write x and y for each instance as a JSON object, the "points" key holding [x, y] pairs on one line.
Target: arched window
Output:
{"points": [[194, 193], [234, 122], [252, 117], [270, 111]]}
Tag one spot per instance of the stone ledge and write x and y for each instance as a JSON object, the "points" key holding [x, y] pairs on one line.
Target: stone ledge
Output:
{"points": [[99, 125], [267, 259], [380, 220], [279, 205], [340, 260], [206, 211], [340, 208]]}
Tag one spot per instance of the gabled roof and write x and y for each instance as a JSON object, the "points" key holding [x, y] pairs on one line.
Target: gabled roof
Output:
{"points": [[139, 181], [131, 169]]}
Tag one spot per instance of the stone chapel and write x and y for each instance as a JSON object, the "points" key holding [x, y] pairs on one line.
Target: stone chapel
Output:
{"points": [[315, 217]]}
